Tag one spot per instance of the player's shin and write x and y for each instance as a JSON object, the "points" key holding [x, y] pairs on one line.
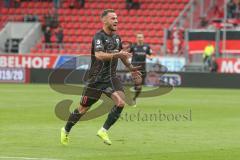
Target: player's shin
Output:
{"points": [[138, 90], [73, 119], [113, 116]]}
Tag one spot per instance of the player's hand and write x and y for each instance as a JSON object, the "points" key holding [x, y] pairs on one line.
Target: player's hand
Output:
{"points": [[150, 57], [137, 77], [134, 68], [124, 55]]}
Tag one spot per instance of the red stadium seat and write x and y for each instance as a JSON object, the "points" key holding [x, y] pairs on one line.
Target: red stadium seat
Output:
{"points": [[80, 12], [65, 5], [78, 32], [88, 12], [80, 39], [74, 12], [72, 32], [148, 20], [31, 11], [147, 13], [141, 19], [46, 5], [83, 19], [123, 13], [60, 11], [68, 25], [38, 50], [127, 26], [24, 5], [81, 24], [62, 51], [48, 51], [30, 5], [55, 51], [75, 18], [96, 12]]}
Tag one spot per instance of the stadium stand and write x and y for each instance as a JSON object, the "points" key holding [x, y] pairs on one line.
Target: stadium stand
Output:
{"points": [[79, 25]]}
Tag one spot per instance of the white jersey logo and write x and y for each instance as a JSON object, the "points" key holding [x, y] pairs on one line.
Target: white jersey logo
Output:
{"points": [[117, 40], [98, 42]]}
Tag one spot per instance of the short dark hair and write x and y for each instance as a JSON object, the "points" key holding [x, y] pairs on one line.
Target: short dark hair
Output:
{"points": [[106, 11]]}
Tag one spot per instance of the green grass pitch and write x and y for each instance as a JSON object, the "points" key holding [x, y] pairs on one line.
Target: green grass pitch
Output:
{"points": [[30, 129]]}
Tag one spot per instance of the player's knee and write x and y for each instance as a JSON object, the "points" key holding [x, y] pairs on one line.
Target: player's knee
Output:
{"points": [[138, 88], [83, 109], [120, 103]]}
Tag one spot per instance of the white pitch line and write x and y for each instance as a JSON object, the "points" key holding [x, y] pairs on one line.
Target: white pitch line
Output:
{"points": [[27, 158]]}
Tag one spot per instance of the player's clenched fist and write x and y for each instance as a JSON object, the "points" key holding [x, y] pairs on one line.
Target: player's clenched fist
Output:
{"points": [[124, 55], [137, 77]]}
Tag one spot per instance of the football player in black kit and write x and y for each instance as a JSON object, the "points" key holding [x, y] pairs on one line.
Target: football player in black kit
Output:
{"points": [[105, 53], [140, 51]]}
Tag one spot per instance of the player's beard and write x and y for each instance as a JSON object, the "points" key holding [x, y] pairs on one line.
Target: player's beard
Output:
{"points": [[112, 28]]}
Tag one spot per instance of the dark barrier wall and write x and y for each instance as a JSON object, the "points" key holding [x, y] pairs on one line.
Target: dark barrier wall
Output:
{"points": [[210, 80], [201, 80], [42, 76], [39, 75]]}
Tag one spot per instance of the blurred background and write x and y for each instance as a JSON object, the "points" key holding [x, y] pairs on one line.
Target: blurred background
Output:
{"points": [[186, 36]]}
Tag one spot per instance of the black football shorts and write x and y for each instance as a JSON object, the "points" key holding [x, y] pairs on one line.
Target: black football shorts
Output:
{"points": [[93, 91], [142, 69]]}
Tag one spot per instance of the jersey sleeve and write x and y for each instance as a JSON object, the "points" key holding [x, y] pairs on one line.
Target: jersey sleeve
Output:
{"points": [[131, 48], [149, 50], [120, 43], [98, 43]]}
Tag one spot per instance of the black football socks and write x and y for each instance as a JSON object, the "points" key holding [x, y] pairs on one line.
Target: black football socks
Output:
{"points": [[137, 92], [73, 119], [113, 116]]}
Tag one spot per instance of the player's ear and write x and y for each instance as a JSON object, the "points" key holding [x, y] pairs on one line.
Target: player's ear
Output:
{"points": [[104, 20]]}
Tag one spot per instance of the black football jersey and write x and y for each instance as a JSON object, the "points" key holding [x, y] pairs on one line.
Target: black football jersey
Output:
{"points": [[102, 71], [139, 53]]}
